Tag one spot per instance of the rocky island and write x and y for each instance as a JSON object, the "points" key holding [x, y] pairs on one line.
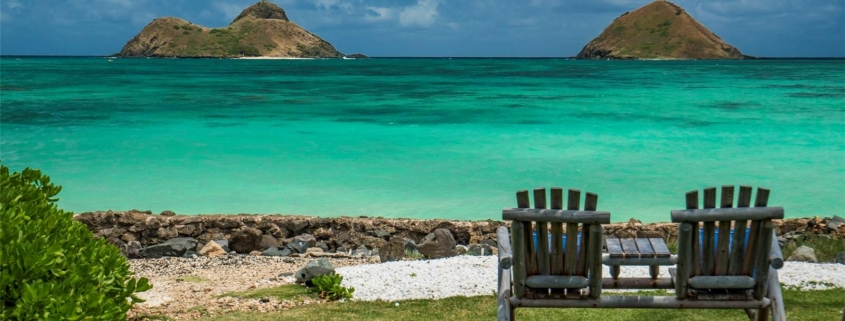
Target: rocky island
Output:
{"points": [[659, 30], [261, 30]]}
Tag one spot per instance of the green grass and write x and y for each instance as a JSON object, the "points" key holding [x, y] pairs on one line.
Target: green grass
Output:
{"points": [[284, 292], [825, 247], [190, 279], [800, 306]]}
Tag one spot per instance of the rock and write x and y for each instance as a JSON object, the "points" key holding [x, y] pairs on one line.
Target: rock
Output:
{"points": [[461, 249], [191, 254], [133, 249], [323, 246], [276, 251], [312, 250], [341, 249], [307, 238], [382, 234], [246, 240], [410, 246], [361, 251], [212, 249], [840, 258], [223, 244], [442, 245], [803, 254], [480, 250], [312, 269], [172, 247], [297, 247], [268, 241], [194, 229], [255, 253], [394, 250], [167, 213], [167, 232], [357, 56]]}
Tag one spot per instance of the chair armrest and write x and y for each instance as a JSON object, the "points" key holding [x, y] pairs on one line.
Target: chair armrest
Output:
{"points": [[775, 256], [504, 243]]}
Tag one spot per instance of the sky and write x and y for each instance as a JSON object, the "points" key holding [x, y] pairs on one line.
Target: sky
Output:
{"points": [[419, 28]]}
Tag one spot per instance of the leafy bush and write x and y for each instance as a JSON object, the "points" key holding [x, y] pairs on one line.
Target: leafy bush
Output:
{"points": [[329, 288], [52, 267]]}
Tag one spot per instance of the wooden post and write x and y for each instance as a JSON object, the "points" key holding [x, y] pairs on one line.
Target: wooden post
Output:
{"points": [[709, 233], [594, 259], [762, 266], [776, 296], [519, 272], [556, 257], [723, 249], [684, 259]]}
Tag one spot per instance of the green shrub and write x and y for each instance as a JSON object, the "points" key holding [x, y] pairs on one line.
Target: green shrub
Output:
{"points": [[329, 288], [52, 267]]}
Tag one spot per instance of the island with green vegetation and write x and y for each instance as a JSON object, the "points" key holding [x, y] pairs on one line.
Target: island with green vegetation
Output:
{"points": [[261, 30], [659, 30]]}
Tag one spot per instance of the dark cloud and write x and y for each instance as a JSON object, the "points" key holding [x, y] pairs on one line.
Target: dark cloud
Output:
{"points": [[427, 27]]}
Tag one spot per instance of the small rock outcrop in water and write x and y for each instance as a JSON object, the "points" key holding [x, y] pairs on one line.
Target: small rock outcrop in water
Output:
{"points": [[659, 30], [262, 29]]}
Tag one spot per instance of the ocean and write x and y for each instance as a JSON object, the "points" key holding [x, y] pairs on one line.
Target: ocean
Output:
{"points": [[422, 138]]}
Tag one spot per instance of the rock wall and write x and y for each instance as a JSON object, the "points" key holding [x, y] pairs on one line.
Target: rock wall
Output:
{"points": [[136, 227]]}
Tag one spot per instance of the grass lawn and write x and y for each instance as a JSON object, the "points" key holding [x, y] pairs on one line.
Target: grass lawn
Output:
{"points": [[800, 305]]}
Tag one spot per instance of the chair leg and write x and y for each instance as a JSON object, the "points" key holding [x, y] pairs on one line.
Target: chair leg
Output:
{"points": [[614, 271], [763, 314], [654, 271], [751, 313]]}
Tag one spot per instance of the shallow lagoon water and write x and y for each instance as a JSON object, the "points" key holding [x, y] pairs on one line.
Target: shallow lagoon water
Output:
{"points": [[423, 138]]}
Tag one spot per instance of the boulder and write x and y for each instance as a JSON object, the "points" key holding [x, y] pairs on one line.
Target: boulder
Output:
{"points": [[840, 258], [441, 245], [410, 246], [172, 247], [481, 249], [224, 244], [323, 246], [312, 269], [297, 247], [803, 254], [212, 249], [394, 250], [461, 249], [307, 238], [361, 251], [133, 249], [167, 213], [276, 251], [379, 233], [268, 241], [246, 240]]}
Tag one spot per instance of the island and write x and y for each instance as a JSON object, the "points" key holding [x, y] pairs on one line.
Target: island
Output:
{"points": [[658, 30], [261, 30]]}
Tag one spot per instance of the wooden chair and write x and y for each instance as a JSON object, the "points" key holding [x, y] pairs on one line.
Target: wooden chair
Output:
{"points": [[539, 274], [729, 272]]}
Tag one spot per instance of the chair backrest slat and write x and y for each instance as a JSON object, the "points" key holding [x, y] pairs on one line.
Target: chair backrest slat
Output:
{"points": [[542, 230], [723, 249], [556, 257], [692, 203], [708, 257]]}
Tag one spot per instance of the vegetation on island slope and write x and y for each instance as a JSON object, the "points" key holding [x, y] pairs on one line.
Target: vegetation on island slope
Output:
{"points": [[262, 29], [659, 30]]}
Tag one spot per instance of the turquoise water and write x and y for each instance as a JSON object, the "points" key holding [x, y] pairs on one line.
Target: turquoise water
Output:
{"points": [[422, 138]]}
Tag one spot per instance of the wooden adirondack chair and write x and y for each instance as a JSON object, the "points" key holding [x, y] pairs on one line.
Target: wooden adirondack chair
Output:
{"points": [[724, 271], [539, 274]]}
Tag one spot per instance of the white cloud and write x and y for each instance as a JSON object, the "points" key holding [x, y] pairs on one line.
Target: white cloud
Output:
{"points": [[328, 4], [375, 14], [13, 4], [423, 14]]}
